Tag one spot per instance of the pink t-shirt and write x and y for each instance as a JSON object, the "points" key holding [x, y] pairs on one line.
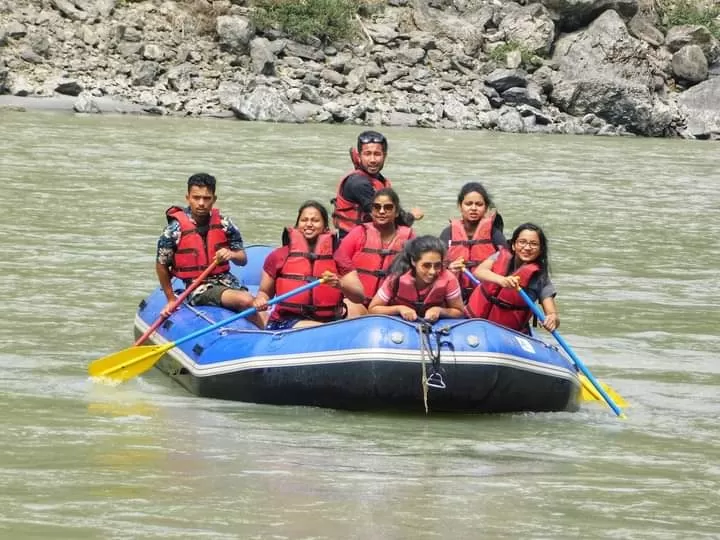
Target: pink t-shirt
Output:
{"points": [[385, 292]]}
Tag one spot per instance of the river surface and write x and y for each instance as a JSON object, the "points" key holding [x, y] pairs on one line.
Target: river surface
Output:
{"points": [[634, 227]]}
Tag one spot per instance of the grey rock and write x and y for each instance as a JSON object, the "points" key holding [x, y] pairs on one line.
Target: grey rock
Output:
{"points": [[307, 111], [530, 25], [333, 77], [679, 36], [264, 104], [86, 104], [180, 77], [293, 48], [519, 95], [701, 108], [234, 33], [543, 78], [409, 56], [69, 10], [510, 121], [382, 33], [130, 33], [129, 49], [642, 28], [31, 56], [263, 60], [423, 40], [145, 73], [503, 79], [15, 29], [310, 94], [151, 51], [88, 36], [342, 63], [400, 119], [689, 64], [70, 88], [574, 14], [356, 80]]}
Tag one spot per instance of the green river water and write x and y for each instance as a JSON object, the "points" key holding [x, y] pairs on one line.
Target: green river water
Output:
{"points": [[633, 226]]}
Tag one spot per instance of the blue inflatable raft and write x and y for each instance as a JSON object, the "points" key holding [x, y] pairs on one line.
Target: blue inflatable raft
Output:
{"points": [[368, 363]]}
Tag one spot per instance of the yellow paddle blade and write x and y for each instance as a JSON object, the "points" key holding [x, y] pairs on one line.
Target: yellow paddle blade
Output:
{"points": [[128, 363], [589, 393]]}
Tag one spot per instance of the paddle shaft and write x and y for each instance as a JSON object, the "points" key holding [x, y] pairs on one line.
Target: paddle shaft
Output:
{"points": [[179, 300], [247, 312], [579, 363]]}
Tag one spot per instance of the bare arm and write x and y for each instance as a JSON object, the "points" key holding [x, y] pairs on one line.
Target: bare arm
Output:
{"points": [[483, 273], [237, 256], [352, 287], [265, 292], [552, 319], [165, 279], [378, 306]]}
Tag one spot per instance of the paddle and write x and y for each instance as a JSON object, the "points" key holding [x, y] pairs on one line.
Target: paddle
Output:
{"points": [[179, 300], [591, 388], [133, 361]]}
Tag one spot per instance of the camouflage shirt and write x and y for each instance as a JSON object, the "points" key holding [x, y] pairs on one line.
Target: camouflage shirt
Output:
{"points": [[168, 242]]}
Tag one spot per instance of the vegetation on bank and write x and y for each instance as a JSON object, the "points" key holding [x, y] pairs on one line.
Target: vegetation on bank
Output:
{"points": [[679, 12]]}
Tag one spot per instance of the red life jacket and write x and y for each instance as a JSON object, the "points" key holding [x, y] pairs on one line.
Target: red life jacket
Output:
{"points": [[406, 293], [302, 265], [373, 260], [347, 214], [474, 250], [194, 254], [503, 305]]}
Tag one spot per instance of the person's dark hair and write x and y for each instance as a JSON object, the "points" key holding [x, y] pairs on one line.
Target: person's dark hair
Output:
{"points": [[413, 250], [318, 206], [475, 187], [544, 258], [202, 180], [395, 198], [367, 137]]}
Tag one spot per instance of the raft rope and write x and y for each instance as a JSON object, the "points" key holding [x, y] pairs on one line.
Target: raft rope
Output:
{"points": [[434, 379]]}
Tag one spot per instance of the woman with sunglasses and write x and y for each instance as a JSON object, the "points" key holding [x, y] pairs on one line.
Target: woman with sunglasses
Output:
{"points": [[475, 236], [308, 253], [372, 246], [355, 191], [419, 285], [524, 265]]}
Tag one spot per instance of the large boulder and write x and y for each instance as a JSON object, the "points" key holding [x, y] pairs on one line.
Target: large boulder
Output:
{"points": [[574, 14], [531, 26], [605, 71], [701, 107], [234, 33], [264, 104], [689, 64]]}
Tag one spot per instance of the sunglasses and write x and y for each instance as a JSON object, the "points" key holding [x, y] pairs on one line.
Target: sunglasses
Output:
{"points": [[372, 138], [387, 207]]}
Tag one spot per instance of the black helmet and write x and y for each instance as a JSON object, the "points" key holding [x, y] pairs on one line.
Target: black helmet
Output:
{"points": [[367, 137]]}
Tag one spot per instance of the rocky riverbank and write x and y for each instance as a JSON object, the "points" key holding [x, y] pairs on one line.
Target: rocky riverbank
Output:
{"points": [[558, 66]]}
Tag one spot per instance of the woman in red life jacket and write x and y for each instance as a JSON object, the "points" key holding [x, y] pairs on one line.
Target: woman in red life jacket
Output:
{"points": [[474, 237], [372, 246], [526, 265], [308, 253], [419, 285]]}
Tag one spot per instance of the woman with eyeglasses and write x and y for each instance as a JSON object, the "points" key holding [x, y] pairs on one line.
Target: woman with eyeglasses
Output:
{"points": [[524, 265], [475, 236], [419, 285], [372, 246], [308, 253], [355, 191]]}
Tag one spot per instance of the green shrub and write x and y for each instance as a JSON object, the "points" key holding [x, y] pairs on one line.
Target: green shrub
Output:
{"points": [[328, 20], [679, 12], [499, 54]]}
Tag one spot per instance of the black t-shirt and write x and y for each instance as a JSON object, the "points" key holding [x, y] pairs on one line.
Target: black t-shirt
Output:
{"points": [[359, 189]]}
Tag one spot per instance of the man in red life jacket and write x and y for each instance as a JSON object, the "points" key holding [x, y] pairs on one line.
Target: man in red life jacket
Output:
{"points": [[353, 200], [193, 238]]}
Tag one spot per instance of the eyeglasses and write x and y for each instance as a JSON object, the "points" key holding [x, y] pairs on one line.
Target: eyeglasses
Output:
{"points": [[429, 265], [387, 207], [525, 243]]}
